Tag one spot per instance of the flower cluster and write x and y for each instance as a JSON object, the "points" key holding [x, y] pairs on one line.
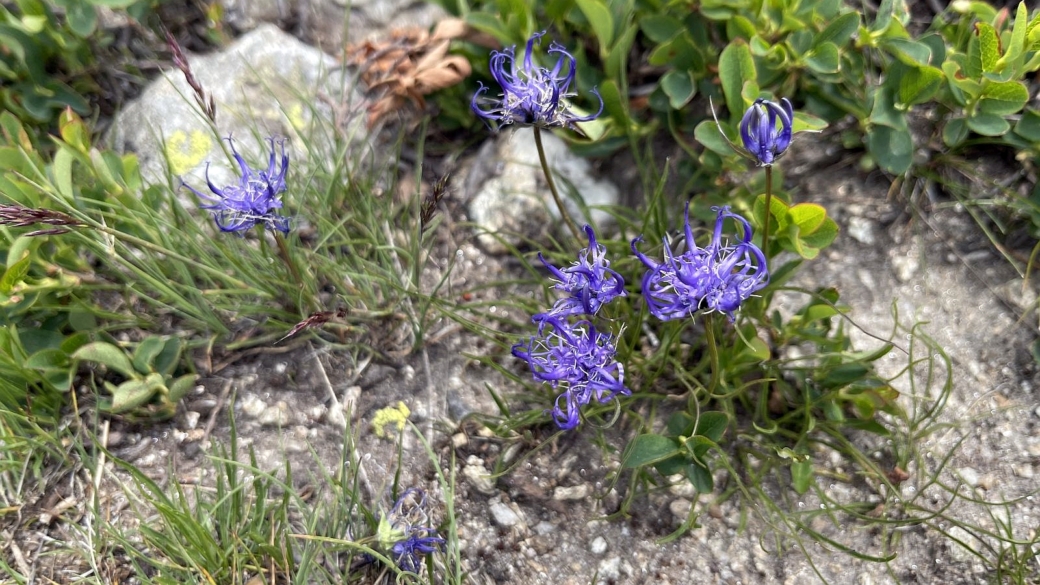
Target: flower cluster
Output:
{"points": [[531, 95], [406, 532], [575, 358], [762, 139], [717, 277], [254, 200], [589, 282]]}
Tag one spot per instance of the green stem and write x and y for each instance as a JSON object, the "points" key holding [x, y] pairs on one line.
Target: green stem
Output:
{"points": [[769, 212], [713, 352], [283, 253], [552, 185]]}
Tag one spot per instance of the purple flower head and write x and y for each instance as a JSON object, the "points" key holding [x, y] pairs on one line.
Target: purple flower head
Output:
{"points": [[763, 140], [576, 359], [589, 282], [254, 200], [531, 95], [406, 533], [717, 277]]}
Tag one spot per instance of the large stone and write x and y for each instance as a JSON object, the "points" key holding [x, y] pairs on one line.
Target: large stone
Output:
{"points": [[266, 83], [324, 22], [511, 199]]}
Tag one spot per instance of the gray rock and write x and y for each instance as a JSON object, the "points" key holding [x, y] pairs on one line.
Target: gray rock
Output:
{"points": [[322, 21], [598, 546], [251, 405], [578, 492], [510, 198], [478, 476], [862, 230], [969, 475], [265, 83], [503, 515]]}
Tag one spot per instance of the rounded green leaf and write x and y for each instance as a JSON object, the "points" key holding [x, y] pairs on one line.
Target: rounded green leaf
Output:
{"points": [[1003, 97], [700, 478], [891, 148], [988, 124], [108, 355], [824, 58], [647, 449], [917, 85], [955, 131], [679, 88], [807, 216]]}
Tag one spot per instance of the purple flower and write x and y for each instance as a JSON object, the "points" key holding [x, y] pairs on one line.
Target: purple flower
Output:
{"points": [[589, 282], [406, 533], [576, 359], [763, 140], [717, 277], [254, 200], [531, 95]]}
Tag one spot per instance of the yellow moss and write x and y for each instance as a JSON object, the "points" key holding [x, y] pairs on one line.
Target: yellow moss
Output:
{"points": [[390, 416], [187, 151]]}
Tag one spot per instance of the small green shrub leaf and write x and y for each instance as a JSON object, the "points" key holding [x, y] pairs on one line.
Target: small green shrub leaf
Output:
{"points": [[134, 393], [108, 355], [179, 388], [891, 148], [146, 352], [601, 20], [708, 134], [955, 131], [14, 274], [824, 58], [840, 31], [1028, 126], [62, 172], [679, 87], [1003, 97], [659, 27], [822, 236], [700, 478], [802, 475], [735, 67], [648, 449], [988, 124], [712, 425], [807, 216], [919, 84]]}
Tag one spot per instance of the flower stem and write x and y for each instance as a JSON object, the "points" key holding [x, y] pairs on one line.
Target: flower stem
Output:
{"points": [[769, 212], [283, 252], [552, 184], [713, 352]]}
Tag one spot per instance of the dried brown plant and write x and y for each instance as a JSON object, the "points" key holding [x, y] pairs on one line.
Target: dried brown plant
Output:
{"points": [[19, 216], [408, 65]]}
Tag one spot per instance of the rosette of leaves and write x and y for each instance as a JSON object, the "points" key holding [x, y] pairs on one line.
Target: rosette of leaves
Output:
{"points": [[148, 389]]}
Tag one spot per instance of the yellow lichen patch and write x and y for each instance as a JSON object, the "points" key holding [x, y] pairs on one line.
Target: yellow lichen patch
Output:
{"points": [[186, 151], [294, 114], [394, 416]]}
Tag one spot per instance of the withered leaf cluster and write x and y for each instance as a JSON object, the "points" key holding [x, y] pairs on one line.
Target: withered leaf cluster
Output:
{"points": [[407, 65]]}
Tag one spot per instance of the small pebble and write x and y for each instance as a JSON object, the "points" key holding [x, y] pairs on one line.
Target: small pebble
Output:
{"points": [[504, 516]]}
